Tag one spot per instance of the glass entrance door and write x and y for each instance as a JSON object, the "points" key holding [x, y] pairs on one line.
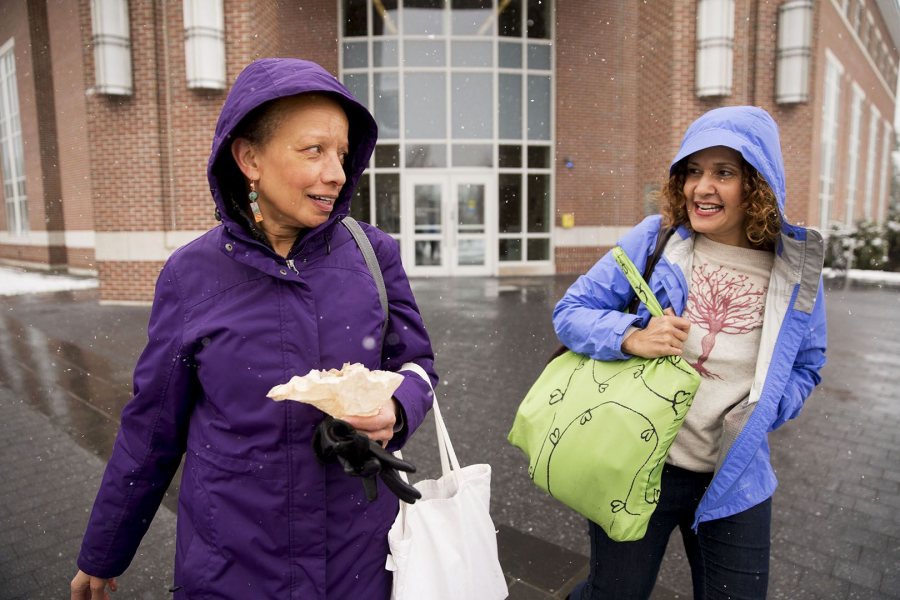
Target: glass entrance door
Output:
{"points": [[449, 224]]}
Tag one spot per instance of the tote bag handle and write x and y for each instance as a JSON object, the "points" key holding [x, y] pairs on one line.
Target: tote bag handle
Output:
{"points": [[449, 461], [445, 446], [641, 288]]}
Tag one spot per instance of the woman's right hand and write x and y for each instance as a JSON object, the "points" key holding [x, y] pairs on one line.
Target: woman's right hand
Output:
{"points": [[663, 336], [86, 587]]}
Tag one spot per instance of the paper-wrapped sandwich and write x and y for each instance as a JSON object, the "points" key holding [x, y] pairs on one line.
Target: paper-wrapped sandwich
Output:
{"points": [[351, 391]]}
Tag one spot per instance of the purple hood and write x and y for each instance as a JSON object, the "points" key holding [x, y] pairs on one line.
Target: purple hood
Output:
{"points": [[269, 79]]}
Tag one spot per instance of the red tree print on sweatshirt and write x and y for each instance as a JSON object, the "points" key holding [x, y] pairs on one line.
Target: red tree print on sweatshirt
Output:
{"points": [[722, 302]]}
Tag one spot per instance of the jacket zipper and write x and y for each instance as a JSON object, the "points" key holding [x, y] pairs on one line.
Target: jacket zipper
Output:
{"points": [[290, 263]]}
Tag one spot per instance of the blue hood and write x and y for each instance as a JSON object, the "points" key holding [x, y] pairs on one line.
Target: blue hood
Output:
{"points": [[746, 129]]}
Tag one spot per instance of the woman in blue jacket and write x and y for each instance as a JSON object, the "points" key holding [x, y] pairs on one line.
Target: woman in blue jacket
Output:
{"points": [[745, 308]]}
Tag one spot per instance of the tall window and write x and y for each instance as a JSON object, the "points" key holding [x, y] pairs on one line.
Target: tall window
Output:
{"points": [[457, 84], [830, 106], [856, 14], [11, 151], [866, 30], [715, 47], [886, 139], [871, 162], [853, 152]]}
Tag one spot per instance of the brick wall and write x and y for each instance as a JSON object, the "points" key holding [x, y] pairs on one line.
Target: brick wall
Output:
{"points": [[123, 135], [65, 32], [309, 30], [46, 115], [25, 255], [127, 281], [596, 106], [596, 119], [655, 107], [578, 260]]}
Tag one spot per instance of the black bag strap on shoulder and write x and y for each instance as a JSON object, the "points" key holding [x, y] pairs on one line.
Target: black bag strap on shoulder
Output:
{"points": [[661, 240], [365, 246]]}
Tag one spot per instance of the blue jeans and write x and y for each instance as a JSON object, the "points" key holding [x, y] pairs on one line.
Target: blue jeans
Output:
{"points": [[729, 557]]}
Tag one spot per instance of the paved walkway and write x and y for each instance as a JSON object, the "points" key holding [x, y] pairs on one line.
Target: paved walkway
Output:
{"points": [[65, 364], [48, 485]]}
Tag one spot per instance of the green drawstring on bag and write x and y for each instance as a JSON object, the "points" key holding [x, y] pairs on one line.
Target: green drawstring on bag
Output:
{"points": [[597, 433]]}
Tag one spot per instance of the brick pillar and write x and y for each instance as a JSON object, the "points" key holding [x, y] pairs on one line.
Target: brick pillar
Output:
{"points": [[47, 137]]}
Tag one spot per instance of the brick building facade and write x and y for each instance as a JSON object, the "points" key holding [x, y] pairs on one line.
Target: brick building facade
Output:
{"points": [[111, 183]]}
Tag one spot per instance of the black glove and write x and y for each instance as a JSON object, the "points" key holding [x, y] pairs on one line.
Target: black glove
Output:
{"points": [[361, 457]]}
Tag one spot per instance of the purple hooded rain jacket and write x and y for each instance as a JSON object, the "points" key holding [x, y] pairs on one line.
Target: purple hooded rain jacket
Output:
{"points": [[258, 516]]}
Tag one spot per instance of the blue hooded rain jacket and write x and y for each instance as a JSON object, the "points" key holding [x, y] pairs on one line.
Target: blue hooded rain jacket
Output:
{"points": [[589, 318]]}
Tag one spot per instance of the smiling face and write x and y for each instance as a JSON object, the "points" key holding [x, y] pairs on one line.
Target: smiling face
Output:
{"points": [[713, 190], [298, 170]]}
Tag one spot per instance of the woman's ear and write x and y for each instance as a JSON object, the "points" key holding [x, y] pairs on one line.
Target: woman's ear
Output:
{"points": [[245, 156]]}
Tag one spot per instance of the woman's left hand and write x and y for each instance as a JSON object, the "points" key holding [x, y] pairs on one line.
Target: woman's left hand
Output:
{"points": [[379, 427]]}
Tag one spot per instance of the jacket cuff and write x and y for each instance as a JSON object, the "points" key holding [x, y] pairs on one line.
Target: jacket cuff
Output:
{"points": [[625, 327], [94, 571], [414, 403]]}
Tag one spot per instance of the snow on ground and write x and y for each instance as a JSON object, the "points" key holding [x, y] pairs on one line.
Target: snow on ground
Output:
{"points": [[19, 281], [15, 281], [886, 277]]}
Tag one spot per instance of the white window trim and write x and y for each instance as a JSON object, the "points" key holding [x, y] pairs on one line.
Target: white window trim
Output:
{"points": [[17, 205], [874, 120], [853, 154], [884, 183], [830, 110]]}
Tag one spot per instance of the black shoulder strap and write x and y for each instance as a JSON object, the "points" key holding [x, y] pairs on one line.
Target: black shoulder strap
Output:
{"points": [[365, 246], [661, 240]]}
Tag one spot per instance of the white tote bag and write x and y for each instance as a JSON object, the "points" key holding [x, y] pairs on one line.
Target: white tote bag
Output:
{"points": [[444, 547]]}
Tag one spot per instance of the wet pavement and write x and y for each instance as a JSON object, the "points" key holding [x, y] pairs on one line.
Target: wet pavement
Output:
{"points": [[65, 369]]}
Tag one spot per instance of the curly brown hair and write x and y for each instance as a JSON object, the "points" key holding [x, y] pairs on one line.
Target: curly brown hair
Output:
{"points": [[763, 220]]}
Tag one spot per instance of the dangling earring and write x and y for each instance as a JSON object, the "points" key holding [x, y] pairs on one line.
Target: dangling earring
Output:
{"points": [[254, 205]]}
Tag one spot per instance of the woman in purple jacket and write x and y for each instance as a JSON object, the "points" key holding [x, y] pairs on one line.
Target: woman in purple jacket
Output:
{"points": [[278, 289]]}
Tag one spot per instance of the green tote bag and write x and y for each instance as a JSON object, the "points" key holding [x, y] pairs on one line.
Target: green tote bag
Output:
{"points": [[597, 433]]}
